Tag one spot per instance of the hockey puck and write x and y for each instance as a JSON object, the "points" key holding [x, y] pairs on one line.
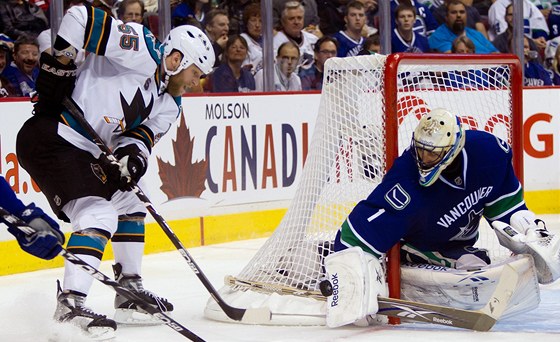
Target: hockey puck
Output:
{"points": [[326, 288]]}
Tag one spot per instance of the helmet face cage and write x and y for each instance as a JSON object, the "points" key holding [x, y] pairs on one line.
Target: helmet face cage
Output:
{"points": [[436, 142]]}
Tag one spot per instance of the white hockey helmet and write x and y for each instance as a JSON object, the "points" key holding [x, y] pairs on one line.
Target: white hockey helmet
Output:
{"points": [[193, 44], [437, 140]]}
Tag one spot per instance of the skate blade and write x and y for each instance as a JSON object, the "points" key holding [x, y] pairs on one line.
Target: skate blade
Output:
{"points": [[70, 332], [134, 317]]}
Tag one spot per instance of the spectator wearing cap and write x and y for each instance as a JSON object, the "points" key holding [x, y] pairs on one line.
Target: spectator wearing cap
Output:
{"points": [[6, 88], [23, 71], [19, 17]]}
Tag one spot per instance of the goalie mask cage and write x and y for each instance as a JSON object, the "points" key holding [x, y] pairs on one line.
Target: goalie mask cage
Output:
{"points": [[369, 108]]}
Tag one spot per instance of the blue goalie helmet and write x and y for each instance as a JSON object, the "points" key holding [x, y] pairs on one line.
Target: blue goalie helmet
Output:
{"points": [[437, 140]]}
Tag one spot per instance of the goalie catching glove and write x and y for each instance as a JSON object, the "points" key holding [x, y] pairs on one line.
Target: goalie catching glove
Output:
{"points": [[126, 166], [45, 239], [357, 279], [528, 235], [54, 82]]}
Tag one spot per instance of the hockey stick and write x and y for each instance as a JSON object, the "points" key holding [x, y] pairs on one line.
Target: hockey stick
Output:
{"points": [[250, 315], [479, 320], [123, 291]]}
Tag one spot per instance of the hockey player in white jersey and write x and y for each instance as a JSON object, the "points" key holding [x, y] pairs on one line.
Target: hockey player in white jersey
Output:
{"points": [[431, 201], [129, 90]]}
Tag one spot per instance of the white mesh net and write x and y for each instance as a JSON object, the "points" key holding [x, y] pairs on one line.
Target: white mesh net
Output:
{"points": [[348, 157]]}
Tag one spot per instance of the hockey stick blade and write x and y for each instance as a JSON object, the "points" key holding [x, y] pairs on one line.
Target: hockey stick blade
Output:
{"points": [[95, 273], [250, 315], [479, 320]]}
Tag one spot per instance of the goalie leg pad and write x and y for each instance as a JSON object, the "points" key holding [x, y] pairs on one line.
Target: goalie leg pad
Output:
{"points": [[357, 279]]}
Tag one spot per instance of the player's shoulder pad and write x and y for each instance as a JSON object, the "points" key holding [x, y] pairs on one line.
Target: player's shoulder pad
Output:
{"points": [[485, 143]]}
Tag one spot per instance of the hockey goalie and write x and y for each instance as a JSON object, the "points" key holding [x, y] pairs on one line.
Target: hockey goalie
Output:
{"points": [[432, 201]]}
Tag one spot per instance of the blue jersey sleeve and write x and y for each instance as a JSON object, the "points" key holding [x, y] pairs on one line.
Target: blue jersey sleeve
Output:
{"points": [[8, 199]]}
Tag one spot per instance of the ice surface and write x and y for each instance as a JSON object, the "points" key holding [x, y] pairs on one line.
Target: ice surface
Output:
{"points": [[27, 303]]}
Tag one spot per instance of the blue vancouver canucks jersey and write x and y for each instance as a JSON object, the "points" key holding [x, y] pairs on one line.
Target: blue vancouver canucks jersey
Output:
{"points": [[443, 216]]}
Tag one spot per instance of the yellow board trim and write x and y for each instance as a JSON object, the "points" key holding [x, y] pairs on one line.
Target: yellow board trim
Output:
{"points": [[543, 202], [192, 232]]}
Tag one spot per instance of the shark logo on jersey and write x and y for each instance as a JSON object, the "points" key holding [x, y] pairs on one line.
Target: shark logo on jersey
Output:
{"points": [[397, 197], [137, 110], [503, 145], [469, 230]]}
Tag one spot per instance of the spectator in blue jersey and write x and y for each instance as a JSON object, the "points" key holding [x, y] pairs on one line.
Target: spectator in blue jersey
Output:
{"points": [[553, 22], [431, 201], [46, 239], [403, 37], [350, 40], [312, 78], [195, 9], [455, 25], [534, 72], [285, 75], [424, 23], [230, 76], [23, 71], [555, 68]]}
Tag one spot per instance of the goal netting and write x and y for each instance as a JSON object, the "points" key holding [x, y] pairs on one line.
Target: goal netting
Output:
{"points": [[369, 108]]}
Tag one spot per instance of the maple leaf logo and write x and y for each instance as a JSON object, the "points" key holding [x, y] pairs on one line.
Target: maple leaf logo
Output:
{"points": [[185, 178]]}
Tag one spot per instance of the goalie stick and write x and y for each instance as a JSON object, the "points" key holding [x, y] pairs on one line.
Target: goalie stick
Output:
{"points": [[95, 273], [250, 315], [479, 320]]}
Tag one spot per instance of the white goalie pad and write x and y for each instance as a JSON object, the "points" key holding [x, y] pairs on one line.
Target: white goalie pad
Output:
{"points": [[357, 279], [470, 290]]}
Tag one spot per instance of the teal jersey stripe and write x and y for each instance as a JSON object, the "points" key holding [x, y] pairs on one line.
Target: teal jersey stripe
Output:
{"points": [[97, 32], [155, 48]]}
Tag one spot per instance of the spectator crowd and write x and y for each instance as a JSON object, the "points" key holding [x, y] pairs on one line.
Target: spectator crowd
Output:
{"points": [[306, 34]]}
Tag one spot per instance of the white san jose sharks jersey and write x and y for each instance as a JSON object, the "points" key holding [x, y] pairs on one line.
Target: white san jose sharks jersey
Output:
{"points": [[441, 216], [118, 85]]}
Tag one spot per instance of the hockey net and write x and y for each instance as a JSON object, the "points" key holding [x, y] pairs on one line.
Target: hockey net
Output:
{"points": [[369, 108]]}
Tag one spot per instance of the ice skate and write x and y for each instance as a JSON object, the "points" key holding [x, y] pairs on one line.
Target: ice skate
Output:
{"points": [[71, 309], [127, 311]]}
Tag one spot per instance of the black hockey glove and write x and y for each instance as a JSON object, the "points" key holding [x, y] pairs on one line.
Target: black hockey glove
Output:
{"points": [[134, 162], [54, 82], [46, 239]]}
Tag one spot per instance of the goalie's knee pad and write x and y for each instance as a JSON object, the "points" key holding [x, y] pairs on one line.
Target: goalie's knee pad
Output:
{"points": [[357, 279]]}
